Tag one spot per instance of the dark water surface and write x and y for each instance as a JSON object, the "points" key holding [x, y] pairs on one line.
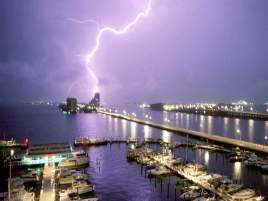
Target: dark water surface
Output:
{"points": [[116, 179]]}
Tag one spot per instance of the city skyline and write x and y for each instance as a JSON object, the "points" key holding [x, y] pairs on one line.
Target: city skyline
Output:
{"points": [[183, 51]]}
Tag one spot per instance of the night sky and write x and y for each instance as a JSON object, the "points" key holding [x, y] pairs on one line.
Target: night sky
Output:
{"points": [[185, 50]]}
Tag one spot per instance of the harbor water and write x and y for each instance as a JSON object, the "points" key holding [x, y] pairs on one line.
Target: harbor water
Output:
{"points": [[117, 179]]}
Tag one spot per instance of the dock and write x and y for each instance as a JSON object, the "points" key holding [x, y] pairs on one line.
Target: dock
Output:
{"points": [[201, 135], [48, 190]]}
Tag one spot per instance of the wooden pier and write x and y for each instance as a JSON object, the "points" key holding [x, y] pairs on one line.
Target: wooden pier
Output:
{"points": [[201, 135]]}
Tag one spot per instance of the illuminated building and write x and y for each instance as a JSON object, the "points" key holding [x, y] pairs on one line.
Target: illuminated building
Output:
{"points": [[95, 102]]}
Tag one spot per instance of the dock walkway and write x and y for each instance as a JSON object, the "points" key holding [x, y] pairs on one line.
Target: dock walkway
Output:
{"points": [[213, 137], [48, 190]]}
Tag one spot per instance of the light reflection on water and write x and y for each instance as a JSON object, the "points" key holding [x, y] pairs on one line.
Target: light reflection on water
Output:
{"points": [[206, 157], [116, 175], [166, 136], [124, 128], [250, 130], [133, 130], [266, 128], [147, 131], [225, 126], [210, 124], [237, 170]]}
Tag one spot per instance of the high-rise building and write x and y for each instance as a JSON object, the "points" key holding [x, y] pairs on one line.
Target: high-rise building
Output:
{"points": [[95, 102], [71, 104]]}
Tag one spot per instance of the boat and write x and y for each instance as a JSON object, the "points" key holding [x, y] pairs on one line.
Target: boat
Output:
{"points": [[243, 194], [132, 141], [237, 158], [79, 154], [71, 178], [206, 146], [81, 187], [74, 162], [90, 142], [29, 176], [159, 170], [190, 195], [204, 198], [67, 172], [252, 160], [264, 168]]}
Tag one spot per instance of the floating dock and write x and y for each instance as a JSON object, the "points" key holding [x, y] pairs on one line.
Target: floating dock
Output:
{"points": [[48, 189], [211, 137]]}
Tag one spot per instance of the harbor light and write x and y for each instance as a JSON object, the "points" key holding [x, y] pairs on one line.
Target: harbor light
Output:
{"points": [[11, 152], [133, 114]]}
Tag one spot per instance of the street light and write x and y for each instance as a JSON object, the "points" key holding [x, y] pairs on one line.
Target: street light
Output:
{"points": [[9, 183], [265, 138]]}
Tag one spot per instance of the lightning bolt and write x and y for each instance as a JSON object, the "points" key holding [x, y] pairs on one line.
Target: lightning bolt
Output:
{"points": [[121, 31], [84, 21]]}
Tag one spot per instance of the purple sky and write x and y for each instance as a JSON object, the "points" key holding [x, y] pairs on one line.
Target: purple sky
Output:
{"points": [[185, 50]]}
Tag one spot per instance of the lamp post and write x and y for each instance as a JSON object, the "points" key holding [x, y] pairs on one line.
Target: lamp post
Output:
{"points": [[9, 183], [265, 139]]}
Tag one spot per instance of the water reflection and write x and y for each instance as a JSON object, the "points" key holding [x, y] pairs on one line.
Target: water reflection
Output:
{"points": [[250, 130], [266, 128], [225, 126], [116, 125], [210, 124], [147, 131], [187, 121], [133, 130], [177, 119], [238, 134], [237, 170], [202, 123], [206, 158], [166, 136], [124, 128], [110, 123], [265, 179]]}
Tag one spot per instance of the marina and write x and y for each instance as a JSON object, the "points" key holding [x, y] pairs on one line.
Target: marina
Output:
{"points": [[107, 161], [196, 173]]}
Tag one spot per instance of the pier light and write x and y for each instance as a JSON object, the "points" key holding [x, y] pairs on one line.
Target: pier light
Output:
{"points": [[11, 152], [266, 137], [150, 117], [133, 114], [146, 116], [238, 130]]}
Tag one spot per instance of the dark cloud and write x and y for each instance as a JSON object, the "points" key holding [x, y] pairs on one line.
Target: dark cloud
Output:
{"points": [[185, 50]]}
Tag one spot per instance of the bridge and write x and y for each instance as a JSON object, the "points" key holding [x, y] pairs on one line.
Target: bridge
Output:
{"points": [[211, 137]]}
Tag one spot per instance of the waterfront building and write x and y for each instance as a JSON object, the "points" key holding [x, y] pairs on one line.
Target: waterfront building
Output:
{"points": [[71, 104], [95, 102]]}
